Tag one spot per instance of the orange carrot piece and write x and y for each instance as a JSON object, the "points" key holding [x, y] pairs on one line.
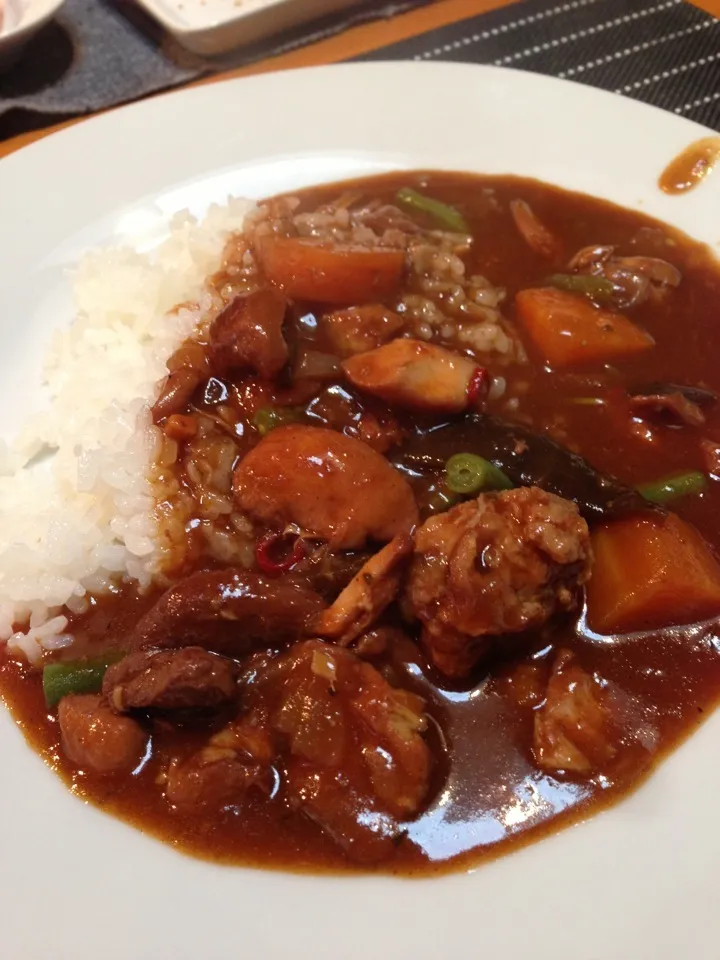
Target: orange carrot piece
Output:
{"points": [[308, 270], [568, 329], [650, 571]]}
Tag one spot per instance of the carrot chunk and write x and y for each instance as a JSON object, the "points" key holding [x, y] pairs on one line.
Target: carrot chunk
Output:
{"points": [[308, 270], [567, 329], [650, 571]]}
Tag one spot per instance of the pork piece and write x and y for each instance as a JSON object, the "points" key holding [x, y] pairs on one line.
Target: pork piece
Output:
{"points": [[359, 329], [96, 738], [367, 595], [340, 716], [333, 487], [185, 679], [226, 611], [418, 375], [503, 563], [234, 760], [248, 333], [573, 732]]}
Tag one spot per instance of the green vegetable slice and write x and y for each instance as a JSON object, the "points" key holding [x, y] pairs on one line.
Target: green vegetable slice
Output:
{"points": [[75, 676], [598, 287], [444, 214], [466, 473], [672, 488]]}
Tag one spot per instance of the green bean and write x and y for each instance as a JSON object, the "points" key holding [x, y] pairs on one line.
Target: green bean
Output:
{"points": [[74, 676], [598, 287], [467, 473], [447, 216], [672, 488]]}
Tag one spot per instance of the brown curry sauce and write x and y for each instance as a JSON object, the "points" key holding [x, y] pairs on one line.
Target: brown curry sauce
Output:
{"points": [[488, 794]]}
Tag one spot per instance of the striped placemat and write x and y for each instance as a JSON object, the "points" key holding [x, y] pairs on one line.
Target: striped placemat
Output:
{"points": [[666, 53]]}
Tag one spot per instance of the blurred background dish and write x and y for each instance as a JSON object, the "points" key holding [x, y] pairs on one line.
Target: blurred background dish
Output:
{"points": [[19, 21], [216, 26]]}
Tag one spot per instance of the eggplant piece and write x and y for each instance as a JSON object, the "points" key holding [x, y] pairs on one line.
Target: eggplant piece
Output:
{"points": [[697, 395], [528, 458], [671, 403]]}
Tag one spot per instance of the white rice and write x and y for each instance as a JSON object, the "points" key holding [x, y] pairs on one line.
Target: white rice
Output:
{"points": [[78, 524]]}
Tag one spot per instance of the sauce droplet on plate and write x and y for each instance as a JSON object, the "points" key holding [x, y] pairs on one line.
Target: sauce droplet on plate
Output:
{"points": [[690, 167]]}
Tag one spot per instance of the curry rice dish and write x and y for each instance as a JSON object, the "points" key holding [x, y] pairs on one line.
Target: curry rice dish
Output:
{"points": [[381, 526]]}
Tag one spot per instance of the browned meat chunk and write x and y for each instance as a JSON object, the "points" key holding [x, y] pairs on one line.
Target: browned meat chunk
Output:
{"points": [[227, 611], [573, 730], [366, 596], [503, 563], [248, 333], [340, 715], [361, 328], [96, 738], [333, 487], [235, 759], [184, 679], [418, 375]]}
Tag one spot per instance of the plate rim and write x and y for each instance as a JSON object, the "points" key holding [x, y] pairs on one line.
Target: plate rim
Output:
{"points": [[396, 904]]}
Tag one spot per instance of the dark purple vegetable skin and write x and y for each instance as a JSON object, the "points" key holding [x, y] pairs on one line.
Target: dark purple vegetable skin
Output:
{"points": [[528, 458]]}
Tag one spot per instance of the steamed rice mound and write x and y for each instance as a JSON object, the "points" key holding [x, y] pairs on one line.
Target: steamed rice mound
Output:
{"points": [[79, 522]]}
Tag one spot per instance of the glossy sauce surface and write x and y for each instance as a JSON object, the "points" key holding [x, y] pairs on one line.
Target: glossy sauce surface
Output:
{"points": [[487, 793], [691, 166]]}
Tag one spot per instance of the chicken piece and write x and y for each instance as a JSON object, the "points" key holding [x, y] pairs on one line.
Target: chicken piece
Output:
{"points": [[248, 333], [333, 487], [184, 679], [503, 563], [573, 726], [359, 329], [235, 760], [418, 375], [352, 820], [366, 596], [338, 713], [226, 611], [96, 738]]}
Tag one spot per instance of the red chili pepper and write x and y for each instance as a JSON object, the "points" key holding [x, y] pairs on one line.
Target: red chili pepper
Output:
{"points": [[267, 545], [478, 387]]}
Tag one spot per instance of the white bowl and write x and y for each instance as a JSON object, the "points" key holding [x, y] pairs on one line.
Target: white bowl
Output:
{"points": [[22, 19], [217, 26]]}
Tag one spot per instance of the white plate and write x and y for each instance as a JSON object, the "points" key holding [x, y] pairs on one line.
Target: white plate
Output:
{"points": [[216, 26], [635, 883]]}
